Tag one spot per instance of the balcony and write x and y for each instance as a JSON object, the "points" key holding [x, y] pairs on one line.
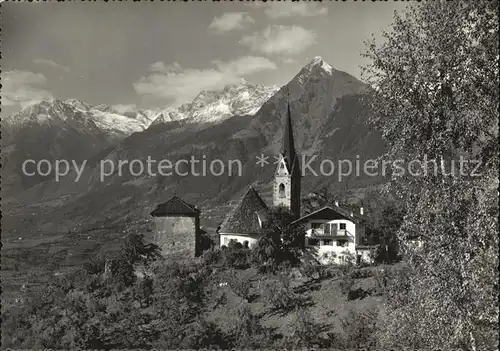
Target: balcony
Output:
{"points": [[321, 232]]}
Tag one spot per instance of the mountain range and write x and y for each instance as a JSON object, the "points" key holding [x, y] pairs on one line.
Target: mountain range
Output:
{"points": [[240, 122], [73, 130]]}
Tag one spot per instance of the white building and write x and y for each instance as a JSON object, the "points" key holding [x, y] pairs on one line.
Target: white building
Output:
{"points": [[245, 222], [336, 235]]}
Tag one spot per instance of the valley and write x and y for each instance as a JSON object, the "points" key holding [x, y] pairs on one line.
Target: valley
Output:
{"points": [[57, 225]]}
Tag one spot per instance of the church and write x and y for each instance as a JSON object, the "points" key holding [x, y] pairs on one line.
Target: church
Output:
{"points": [[245, 223], [334, 234]]}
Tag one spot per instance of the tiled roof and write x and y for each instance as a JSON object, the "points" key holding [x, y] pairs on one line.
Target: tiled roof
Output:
{"points": [[331, 213], [352, 215], [244, 218], [175, 206]]}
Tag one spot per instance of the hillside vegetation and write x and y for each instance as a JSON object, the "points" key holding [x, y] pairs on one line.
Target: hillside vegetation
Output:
{"points": [[224, 299]]}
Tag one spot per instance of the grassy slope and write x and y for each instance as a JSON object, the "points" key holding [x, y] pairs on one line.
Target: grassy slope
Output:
{"points": [[325, 301], [34, 256]]}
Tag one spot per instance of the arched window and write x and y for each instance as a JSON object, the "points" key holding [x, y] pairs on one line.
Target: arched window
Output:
{"points": [[281, 190]]}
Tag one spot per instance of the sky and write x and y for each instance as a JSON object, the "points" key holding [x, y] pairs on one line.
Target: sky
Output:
{"points": [[158, 54]]}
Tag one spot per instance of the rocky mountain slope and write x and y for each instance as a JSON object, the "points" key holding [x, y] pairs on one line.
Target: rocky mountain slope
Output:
{"points": [[74, 130], [215, 106], [75, 113], [56, 130], [329, 120]]}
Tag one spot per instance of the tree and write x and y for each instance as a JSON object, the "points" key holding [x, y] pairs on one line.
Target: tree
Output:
{"points": [[133, 251], [359, 329], [236, 256], [281, 241], [325, 197], [383, 231], [248, 332], [206, 334], [435, 93], [305, 329]]}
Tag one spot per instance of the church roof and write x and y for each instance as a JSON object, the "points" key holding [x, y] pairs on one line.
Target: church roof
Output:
{"points": [[175, 206], [247, 216], [288, 147]]}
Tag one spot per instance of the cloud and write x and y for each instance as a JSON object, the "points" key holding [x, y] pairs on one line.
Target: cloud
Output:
{"points": [[8, 102], [23, 88], [230, 21], [50, 63], [254, 4], [296, 9], [289, 60], [245, 65], [180, 85], [280, 40], [160, 66]]}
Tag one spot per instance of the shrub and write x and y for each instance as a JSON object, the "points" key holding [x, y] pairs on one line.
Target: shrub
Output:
{"points": [[122, 272], [241, 286], [95, 266], [143, 291], [332, 272], [234, 245], [360, 329], [235, 256], [329, 258], [205, 334], [279, 293], [362, 273], [312, 270], [248, 332], [346, 283], [212, 257], [182, 283], [305, 330]]}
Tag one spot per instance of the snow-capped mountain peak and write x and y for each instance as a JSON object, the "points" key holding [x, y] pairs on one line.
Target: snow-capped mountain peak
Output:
{"points": [[218, 105], [318, 63], [77, 104], [73, 113]]}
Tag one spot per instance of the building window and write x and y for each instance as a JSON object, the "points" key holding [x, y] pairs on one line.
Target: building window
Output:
{"points": [[313, 242], [315, 225], [226, 240], [327, 242], [341, 243], [342, 226], [281, 190], [328, 228], [245, 244]]}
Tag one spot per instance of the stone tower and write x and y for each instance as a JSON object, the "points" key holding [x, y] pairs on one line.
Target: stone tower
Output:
{"points": [[177, 228], [286, 191]]}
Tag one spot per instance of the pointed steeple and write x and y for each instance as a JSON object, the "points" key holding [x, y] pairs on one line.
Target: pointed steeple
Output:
{"points": [[288, 149]]}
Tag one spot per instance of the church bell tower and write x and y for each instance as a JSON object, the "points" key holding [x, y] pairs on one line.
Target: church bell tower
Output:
{"points": [[286, 191]]}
